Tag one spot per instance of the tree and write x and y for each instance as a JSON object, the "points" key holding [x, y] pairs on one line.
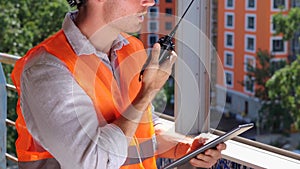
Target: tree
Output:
{"points": [[287, 24], [284, 86], [25, 23], [270, 114]]}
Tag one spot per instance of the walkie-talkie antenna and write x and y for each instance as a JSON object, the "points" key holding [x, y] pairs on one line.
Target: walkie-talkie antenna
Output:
{"points": [[166, 44], [172, 33]]}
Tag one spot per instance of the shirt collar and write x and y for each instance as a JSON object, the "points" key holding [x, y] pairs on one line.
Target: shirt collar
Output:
{"points": [[79, 42]]}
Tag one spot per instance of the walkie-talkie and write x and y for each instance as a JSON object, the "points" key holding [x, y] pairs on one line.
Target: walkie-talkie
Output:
{"points": [[166, 44]]}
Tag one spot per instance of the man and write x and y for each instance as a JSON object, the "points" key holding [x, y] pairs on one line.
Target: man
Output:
{"points": [[81, 102]]}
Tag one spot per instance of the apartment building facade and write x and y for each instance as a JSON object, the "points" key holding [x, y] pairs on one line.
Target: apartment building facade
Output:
{"points": [[244, 27], [159, 22]]}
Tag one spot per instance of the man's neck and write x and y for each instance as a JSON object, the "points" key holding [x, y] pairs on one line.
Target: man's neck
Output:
{"points": [[99, 34]]}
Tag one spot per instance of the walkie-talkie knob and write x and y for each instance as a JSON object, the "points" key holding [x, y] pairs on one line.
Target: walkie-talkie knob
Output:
{"points": [[167, 46]]}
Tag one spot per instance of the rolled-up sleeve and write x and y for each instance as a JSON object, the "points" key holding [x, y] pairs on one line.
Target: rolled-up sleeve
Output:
{"points": [[61, 117]]}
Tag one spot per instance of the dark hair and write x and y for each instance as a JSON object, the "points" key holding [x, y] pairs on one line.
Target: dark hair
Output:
{"points": [[78, 3]]}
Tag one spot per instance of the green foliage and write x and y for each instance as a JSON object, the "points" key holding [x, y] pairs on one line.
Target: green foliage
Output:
{"points": [[164, 100], [271, 114], [288, 24], [285, 88], [25, 23], [262, 72]]}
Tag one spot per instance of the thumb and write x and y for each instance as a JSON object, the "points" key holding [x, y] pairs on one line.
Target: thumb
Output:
{"points": [[198, 142]]}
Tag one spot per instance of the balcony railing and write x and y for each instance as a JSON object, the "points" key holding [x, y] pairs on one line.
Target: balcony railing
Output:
{"points": [[240, 152]]}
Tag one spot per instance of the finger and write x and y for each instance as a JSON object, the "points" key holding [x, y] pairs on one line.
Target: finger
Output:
{"points": [[198, 142], [167, 64], [173, 57], [221, 146], [213, 153], [155, 53], [200, 163]]}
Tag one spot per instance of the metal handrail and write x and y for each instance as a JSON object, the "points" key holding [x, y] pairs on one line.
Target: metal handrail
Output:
{"points": [[11, 87], [263, 146], [10, 122], [8, 59], [11, 59], [11, 158]]}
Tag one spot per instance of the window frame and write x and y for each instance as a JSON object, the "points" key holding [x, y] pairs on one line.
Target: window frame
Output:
{"points": [[225, 40], [247, 16], [232, 78], [226, 20], [167, 23], [246, 43], [246, 78], [149, 37], [229, 7], [169, 14], [149, 26], [153, 15], [225, 59], [285, 45], [246, 57], [278, 9], [250, 8]]}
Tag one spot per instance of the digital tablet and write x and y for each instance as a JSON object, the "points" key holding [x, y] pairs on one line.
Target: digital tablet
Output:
{"points": [[211, 144]]}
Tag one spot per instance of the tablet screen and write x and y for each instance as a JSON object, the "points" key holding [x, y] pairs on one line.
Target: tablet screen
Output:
{"points": [[211, 144]]}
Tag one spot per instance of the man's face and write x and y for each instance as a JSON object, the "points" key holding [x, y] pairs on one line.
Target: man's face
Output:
{"points": [[126, 15]]}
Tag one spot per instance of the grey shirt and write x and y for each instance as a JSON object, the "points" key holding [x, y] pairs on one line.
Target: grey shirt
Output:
{"points": [[60, 115]]}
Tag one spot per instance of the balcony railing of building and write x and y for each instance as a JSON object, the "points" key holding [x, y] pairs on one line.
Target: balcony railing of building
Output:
{"points": [[240, 152]]}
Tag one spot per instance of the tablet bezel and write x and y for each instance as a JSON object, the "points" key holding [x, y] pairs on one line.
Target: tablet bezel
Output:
{"points": [[211, 144]]}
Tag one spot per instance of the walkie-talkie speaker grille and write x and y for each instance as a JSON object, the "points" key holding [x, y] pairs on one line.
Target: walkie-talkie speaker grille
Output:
{"points": [[73, 3]]}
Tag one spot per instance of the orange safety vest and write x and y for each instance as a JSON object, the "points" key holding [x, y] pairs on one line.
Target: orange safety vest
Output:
{"points": [[99, 83]]}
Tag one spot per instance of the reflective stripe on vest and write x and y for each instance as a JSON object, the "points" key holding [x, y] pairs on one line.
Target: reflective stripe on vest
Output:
{"points": [[104, 95], [140, 153]]}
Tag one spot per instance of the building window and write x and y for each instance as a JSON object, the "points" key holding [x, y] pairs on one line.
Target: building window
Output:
{"points": [[228, 99], [169, 11], [273, 26], [153, 26], [251, 4], [228, 59], [278, 46], [295, 3], [229, 78], [250, 22], [168, 26], [295, 43], [277, 63], [250, 43], [169, 1], [229, 40], [277, 5], [152, 38], [229, 20], [249, 62], [153, 12], [249, 84], [229, 4]]}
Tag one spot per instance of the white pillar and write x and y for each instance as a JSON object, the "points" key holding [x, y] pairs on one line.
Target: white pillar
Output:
{"points": [[192, 68]]}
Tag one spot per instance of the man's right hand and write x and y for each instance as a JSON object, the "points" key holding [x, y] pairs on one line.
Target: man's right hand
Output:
{"points": [[155, 75]]}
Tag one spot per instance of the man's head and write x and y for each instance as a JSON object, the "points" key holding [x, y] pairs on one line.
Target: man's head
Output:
{"points": [[126, 15], [120, 15]]}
